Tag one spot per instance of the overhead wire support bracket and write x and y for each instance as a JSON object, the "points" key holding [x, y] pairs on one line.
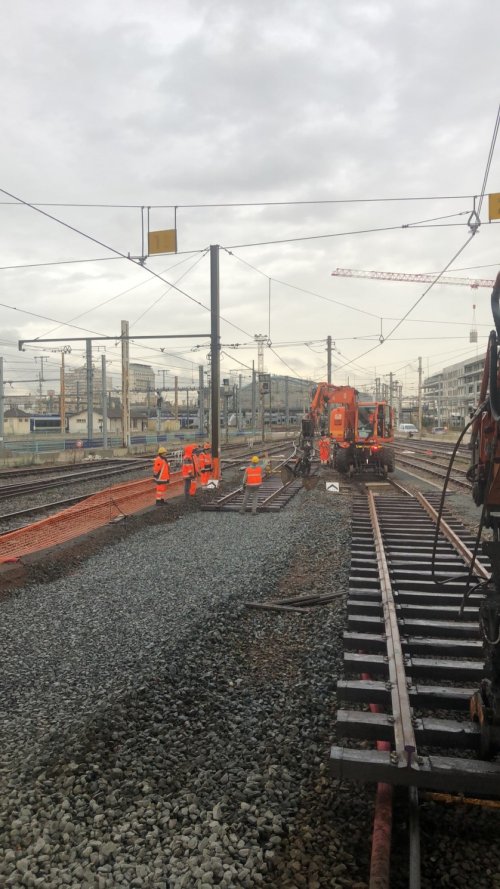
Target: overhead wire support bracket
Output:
{"points": [[474, 221]]}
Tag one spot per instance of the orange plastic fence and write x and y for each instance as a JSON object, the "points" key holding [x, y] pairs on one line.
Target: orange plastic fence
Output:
{"points": [[94, 512]]}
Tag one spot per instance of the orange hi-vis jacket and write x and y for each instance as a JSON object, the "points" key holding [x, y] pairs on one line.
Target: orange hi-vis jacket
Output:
{"points": [[253, 476], [324, 448], [161, 469], [205, 462], [187, 467]]}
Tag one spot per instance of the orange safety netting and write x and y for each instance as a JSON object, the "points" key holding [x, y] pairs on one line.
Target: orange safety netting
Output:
{"points": [[94, 512]]}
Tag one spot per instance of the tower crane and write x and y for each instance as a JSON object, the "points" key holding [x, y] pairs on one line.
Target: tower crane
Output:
{"points": [[421, 278]]}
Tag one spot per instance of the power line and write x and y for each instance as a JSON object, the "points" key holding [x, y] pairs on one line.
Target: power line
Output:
{"points": [[284, 362], [36, 265], [362, 231], [106, 301], [290, 203], [488, 162], [367, 352], [157, 300], [119, 253], [301, 289]]}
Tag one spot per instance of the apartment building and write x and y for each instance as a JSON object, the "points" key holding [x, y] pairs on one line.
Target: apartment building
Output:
{"points": [[450, 395]]}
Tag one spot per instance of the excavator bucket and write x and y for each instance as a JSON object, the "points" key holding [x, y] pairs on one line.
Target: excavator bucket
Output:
{"points": [[286, 475], [310, 482]]}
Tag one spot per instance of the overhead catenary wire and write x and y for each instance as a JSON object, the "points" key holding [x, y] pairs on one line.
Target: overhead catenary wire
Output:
{"points": [[296, 287], [488, 162], [362, 231], [160, 297], [110, 299], [416, 303], [123, 255], [213, 205], [339, 302]]}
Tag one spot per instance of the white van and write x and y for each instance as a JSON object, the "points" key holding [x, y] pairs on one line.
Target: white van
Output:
{"points": [[407, 429]]}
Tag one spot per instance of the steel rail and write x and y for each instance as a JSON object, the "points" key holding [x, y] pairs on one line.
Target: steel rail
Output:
{"points": [[454, 539], [432, 469], [277, 492], [30, 487], [404, 735]]}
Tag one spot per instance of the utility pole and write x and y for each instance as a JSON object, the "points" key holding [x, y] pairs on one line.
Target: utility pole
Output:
{"points": [[254, 397], [390, 388], [225, 386], [1, 402], [329, 358], [104, 401], [287, 406], [215, 354], [201, 401], [420, 397], [41, 378], [261, 390], [270, 407], [176, 398], [158, 410], [187, 408], [209, 400], [260, 339], [62, 396], [90, 391], [125, 384], [240, 378]]}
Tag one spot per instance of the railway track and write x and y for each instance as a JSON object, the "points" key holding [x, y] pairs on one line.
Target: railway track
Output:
{"points": [[412, 662], [273, 493], [424, 461], [436, 446], [85, 473], [273, 496], [29, 493]]}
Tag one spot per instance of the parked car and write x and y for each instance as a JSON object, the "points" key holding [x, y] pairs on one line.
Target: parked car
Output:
{"points": [[439, 430], [408, 429]]}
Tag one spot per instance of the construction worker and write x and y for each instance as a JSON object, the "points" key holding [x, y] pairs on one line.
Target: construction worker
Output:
{"points": [[252, 481], [189, 469], [205, 461], [161, 474], [324, 451]]}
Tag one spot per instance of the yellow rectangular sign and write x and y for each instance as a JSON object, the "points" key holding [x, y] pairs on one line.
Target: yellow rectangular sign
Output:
{"points": [[494, 206], [163, 242]]}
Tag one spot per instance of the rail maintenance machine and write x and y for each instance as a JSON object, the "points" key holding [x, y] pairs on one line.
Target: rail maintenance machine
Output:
{"points": [[484, 473], [361, 432]]}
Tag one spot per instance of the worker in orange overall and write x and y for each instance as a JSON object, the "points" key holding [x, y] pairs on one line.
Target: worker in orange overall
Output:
{"points": [[252, 481], [205, 462], [324, 450], [189, 467], [161, 474]]}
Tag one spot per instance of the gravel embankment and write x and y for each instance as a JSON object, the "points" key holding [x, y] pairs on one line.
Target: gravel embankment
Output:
{"points": [[156, 733]]}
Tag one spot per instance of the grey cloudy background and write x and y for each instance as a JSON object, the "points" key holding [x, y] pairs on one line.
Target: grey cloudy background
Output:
{"points": [[265, 101]]}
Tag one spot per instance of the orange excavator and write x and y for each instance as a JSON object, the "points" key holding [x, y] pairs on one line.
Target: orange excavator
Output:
{"points": [[362, 432]]}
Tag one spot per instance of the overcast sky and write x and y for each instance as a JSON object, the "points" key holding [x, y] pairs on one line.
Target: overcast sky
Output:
{"points": [[249, 102]]}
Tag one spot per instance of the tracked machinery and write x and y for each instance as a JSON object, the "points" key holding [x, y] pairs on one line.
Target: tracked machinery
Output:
{"points": [[361, 432]]}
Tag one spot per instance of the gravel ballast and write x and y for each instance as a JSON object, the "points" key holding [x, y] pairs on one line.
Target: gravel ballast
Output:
{"points": [[154, 728], [157, 733]]}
